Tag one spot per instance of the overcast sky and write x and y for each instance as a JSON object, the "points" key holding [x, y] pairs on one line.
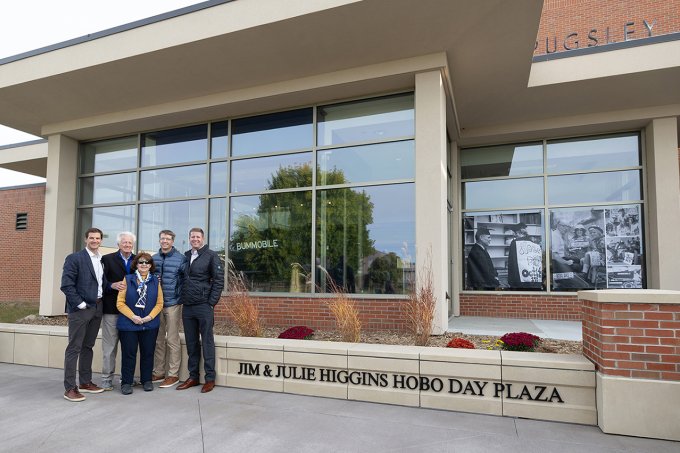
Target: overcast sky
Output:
{"points": [[30, 24]]}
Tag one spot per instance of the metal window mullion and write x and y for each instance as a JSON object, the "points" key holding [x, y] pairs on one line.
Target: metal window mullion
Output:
{"points": [[137, 208], [312, 257], [546, 221], [404, 138]]}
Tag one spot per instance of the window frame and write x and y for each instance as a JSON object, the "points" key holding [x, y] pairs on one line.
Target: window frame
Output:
{"points": [[547, 208]]}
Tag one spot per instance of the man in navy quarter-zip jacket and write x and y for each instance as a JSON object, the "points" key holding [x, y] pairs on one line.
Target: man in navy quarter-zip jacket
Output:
{"points": [[202, 284], [170, 264]]}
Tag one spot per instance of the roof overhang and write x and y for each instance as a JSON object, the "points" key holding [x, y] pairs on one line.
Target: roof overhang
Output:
{"points": [[246, 56]]}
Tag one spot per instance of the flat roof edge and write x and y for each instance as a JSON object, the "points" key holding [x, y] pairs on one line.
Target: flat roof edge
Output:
{"points": [[21, 144], [114, 30], [607, 47]]}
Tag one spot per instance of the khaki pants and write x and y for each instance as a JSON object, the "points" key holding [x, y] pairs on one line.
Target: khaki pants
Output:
{"points": [[168, 354]]}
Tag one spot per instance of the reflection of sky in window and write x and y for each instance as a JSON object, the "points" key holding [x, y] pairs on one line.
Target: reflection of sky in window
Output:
{"points": [[382, 126], [219, 139], [367, 120], [503, 193], [109, 188], [251, 175], [594, 187], [178, 216], [174, 182], [274, 132], [174, 146], [217, 233], [610, 152], [111, 220], [393, 217], [109, 155], [395, 160]]}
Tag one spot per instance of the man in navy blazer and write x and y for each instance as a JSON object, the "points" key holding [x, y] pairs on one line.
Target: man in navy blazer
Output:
{"points": [[82, 282]]}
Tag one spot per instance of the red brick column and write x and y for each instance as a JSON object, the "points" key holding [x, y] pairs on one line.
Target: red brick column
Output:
{"points": [[634, 335]]}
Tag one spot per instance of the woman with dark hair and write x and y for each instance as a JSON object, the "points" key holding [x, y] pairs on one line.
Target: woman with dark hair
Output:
{"points": [[139, 301]]}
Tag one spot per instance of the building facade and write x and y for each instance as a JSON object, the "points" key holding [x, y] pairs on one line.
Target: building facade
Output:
{"points": [[322, 146]]}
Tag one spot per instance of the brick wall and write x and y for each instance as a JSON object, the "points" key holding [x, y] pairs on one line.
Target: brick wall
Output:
{"points": [[20, 276], [562, 17], [521, 306], [633, 340], [375, 314]]}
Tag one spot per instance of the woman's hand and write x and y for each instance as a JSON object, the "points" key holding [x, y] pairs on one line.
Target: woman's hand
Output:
{"points": [[146, 319], [137, 320]]}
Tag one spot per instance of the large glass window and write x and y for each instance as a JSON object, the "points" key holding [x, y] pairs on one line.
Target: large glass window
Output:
{"points": [[385, 161], [109, 155], [175, 182], [366, 121], [501, 193], [111, 220], [178, 216], [366, 239], [285, 131], [175, 146], [116, 188], [598, 153], [594, 206], [270, 173], [270, 238], [291, 214], [504, 160]]}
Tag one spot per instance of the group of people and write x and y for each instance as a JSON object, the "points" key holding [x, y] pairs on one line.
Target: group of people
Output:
{"points": [[139, 300]]}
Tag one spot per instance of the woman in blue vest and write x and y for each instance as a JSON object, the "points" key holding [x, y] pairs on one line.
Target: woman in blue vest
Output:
{"points": [[140, 302]]}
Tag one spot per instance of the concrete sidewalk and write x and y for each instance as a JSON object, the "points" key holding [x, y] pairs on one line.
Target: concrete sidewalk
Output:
{"points": [[35, 418], [478, 325]]}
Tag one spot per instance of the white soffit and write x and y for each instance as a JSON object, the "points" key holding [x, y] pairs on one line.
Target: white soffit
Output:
{"points": [[246, 44]]}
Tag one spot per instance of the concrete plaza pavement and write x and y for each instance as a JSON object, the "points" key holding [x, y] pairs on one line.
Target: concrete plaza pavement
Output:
{"points": [[34, 417]]}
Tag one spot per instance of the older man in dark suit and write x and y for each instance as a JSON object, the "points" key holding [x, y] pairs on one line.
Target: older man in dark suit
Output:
{"points": [[83, 282], [481, 273], [116, 267]]}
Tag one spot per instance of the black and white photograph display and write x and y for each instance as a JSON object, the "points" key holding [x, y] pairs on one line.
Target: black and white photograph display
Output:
{"points": [[596, 248], [504, 251]]}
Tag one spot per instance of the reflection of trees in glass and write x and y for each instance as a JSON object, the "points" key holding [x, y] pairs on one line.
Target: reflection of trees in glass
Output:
{"points": [[272, 246], [384, 275], [343, 217], [267, 244]]}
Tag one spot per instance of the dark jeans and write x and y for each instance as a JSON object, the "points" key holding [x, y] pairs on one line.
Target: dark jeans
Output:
{"points": [[199, 319], [145, 340], [83, 327]]}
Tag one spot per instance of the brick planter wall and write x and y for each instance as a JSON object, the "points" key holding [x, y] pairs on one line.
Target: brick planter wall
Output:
{"points": [[375, 314], [636, 340], [523, 306]]}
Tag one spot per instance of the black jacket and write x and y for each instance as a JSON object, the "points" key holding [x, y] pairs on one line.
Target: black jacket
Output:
{"points": [[203, 280], [481, 273], [79, 282], [114, 270]]}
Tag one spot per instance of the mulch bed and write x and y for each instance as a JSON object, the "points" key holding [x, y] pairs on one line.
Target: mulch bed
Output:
{"points": [[378, 337]]}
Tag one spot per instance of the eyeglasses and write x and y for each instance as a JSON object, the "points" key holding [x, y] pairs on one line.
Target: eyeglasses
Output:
{"points": [[143, 262]]}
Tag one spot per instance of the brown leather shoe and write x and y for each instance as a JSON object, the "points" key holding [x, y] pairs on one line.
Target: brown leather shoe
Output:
{"points": [[157, 378], [90, 387], [208, 386], [74, 395], [187, 384], [169, 382]]}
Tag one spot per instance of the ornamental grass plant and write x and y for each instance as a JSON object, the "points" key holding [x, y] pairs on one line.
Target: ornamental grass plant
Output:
{"points": [[345, 313], [240, 306], [420, 306]]}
